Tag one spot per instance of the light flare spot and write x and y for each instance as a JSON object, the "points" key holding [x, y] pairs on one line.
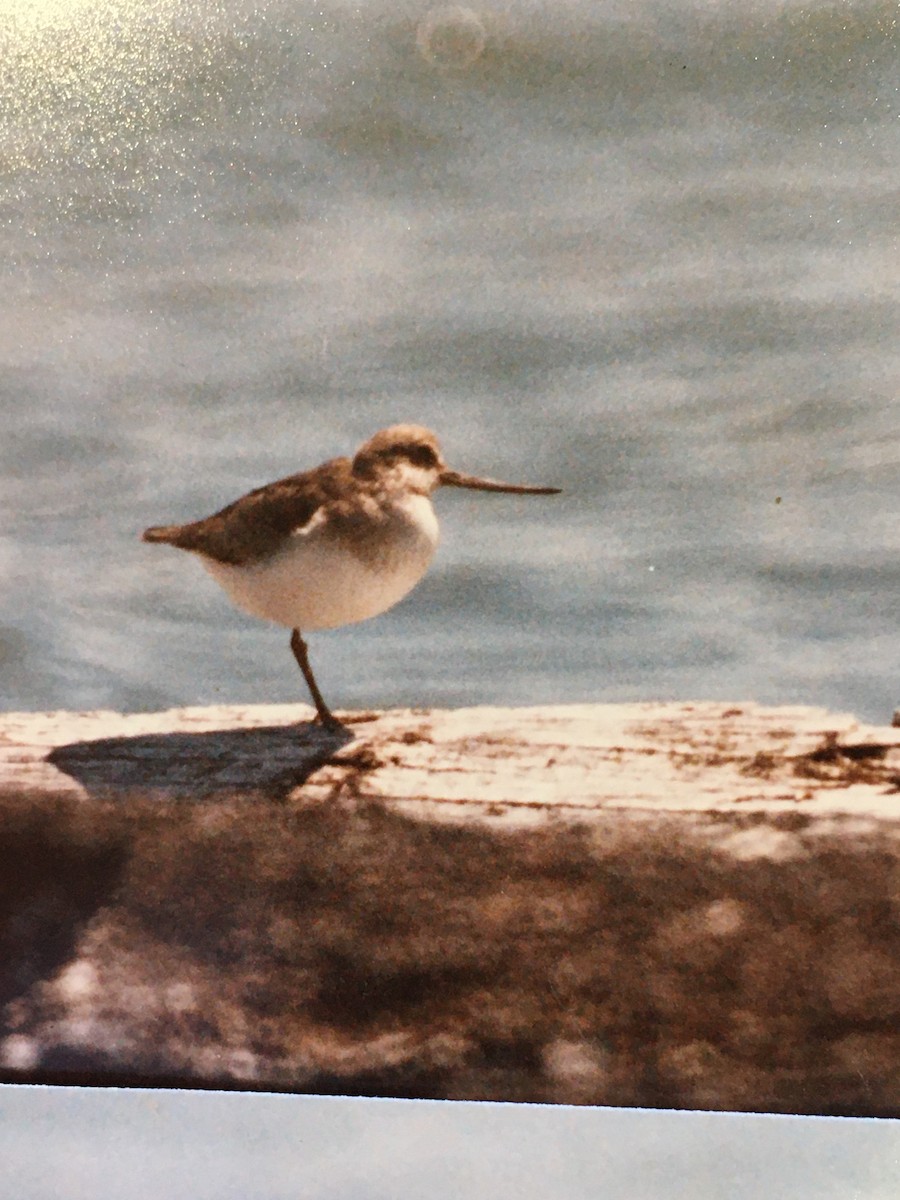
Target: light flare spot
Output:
{"points": [[451, 37]]}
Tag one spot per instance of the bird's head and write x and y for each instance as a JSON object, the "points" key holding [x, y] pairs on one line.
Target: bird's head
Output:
{"points": [[405, 457], [409, 457]]}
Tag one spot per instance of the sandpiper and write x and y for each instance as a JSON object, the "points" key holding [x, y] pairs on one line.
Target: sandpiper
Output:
{"points": [[334, 545]]}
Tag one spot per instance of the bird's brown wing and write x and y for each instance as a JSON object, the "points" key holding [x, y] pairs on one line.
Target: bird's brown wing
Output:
{"points": [[254, 527]]}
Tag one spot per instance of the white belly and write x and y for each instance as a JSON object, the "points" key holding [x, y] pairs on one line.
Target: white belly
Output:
{"points": [[316, 582]]}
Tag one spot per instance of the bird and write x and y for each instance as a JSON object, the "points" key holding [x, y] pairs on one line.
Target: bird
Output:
{"points": [[334, 545]]}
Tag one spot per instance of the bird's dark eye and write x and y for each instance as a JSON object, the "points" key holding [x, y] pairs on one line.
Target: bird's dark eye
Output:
{"points": [[420, 455]]}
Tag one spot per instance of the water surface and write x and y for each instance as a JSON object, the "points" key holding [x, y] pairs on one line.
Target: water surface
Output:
{"points": [[645, 252]]}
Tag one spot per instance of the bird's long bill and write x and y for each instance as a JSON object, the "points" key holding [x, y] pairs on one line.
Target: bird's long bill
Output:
{"points": [[456, 479]]}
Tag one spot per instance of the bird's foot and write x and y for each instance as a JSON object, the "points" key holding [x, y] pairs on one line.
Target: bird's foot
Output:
{"points": [[329, 723]]}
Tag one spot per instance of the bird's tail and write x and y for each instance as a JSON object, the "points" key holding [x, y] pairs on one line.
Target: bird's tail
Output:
{"points": [[161, 533]]}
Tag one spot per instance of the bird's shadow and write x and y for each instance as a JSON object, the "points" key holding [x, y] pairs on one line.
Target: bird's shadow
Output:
{"points": [[269, 760]]}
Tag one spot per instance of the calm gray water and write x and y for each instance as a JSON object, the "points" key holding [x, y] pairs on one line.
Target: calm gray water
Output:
{"points": [[645, 251]]}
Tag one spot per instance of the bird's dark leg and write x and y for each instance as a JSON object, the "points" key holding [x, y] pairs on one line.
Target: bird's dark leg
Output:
{"points": [[328, 719]]}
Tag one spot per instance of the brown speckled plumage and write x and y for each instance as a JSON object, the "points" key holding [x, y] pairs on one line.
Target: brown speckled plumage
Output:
{"points": [[351, 491], [255, 526]]}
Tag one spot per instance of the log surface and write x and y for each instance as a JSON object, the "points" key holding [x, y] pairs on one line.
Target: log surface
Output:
{"points": [[679, 905], [511, 765]]}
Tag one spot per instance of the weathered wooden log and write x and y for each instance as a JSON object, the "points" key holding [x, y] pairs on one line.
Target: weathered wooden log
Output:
{"points": [[690, 905], [478, 763]]}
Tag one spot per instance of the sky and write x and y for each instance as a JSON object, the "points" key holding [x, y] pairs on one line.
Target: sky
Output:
{"points": [[75, 1144]]}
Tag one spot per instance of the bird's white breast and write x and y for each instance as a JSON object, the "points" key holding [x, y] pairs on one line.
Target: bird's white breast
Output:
{"points": [[319, 581]]}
